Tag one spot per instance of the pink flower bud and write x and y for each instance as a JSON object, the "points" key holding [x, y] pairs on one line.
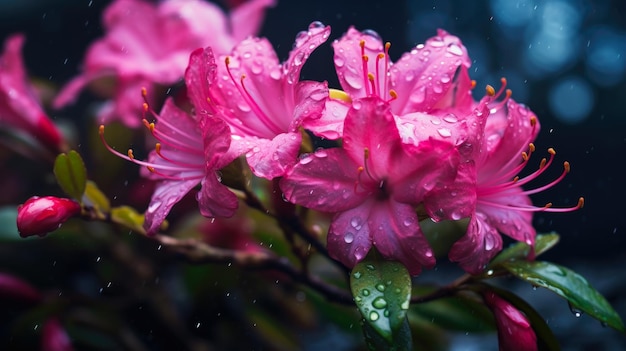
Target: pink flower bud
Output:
{"points": [[16, 289], [40, 215], [514, 330], [54, 337]]}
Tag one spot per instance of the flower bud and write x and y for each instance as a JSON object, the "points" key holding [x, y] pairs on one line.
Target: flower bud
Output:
{"points": [[514, 330], [40, 215]]}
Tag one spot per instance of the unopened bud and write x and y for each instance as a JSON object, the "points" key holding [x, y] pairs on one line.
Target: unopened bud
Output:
{"points": [[54, 337], [14, 288], [41, 215], [515, 333]]}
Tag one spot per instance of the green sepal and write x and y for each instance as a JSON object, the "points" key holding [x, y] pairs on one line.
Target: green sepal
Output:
{"points": [[71, 174], [129, 218]]}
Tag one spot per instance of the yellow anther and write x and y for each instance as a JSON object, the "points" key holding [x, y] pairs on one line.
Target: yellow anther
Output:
{"points": [[157, 147], [145, 106], [393, 94], [370, 77], [365, 58], [472, 84], [531, 147], [381, 56], [551, 151], [366, 153], [101, 129], [362, 44], [151, 169], [566, 166], [533, 121], [227, 60], [524, 156], [581, 202], [387, 46], [339, 95], [515, 179], [490, 90], [144, 91], [130, 154], [543, 163]]}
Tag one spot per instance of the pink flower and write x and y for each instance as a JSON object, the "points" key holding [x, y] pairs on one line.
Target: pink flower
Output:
{"points": [[19, 106], [15, 288], [515, 333], [54, 337], [189, 152], [487, 188], [264, 102], [429, 79], [41, 215], [372, 185], [148, 44]]}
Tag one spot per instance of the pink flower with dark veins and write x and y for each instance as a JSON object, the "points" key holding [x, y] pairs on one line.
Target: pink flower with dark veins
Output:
{"points": [[488, 189], [372, 184], [189, 152], [19, 106], [515, 333], [147, 44], [263, 101], [432, 78]]}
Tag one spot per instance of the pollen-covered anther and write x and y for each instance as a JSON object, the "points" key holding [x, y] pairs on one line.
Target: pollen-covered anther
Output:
{"points": [[144, 92], [533, 121], [581, 202], [473, 84], [145, 107], [130, 154], [393, 95], [490, 91], [551, 151], [566, 167]]}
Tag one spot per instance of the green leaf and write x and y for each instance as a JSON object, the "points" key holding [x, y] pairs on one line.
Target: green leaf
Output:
{"points": [[543, 243], [8, 224], [546, 340], [456, 313], [128, 217], [382, 292], [570, 285], [71, 174], [376, 342]]}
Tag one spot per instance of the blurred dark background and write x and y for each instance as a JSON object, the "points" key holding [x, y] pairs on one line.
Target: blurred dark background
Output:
{"points": [[566, 59]]}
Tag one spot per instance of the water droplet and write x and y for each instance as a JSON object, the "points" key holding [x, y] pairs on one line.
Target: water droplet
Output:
{"points": [[435, 120], [444, 132], [339, 61], [357, 275], [275, 74], [247, 55], [455, 50], [299, 59], [154, 206], [437, 88], [256, 67], [445, 79], [355, 222], [370, 267], [372, 33], [321, 153], [316, 25], [380, 287], [405, 305], [365, 292], [409, 76], [348, 238], [575, 310], [374, 316], [428, 253], [490, 272], [450, 118], [419, 96], [305, 160], [490, 242], [379, 302], [353, 80]]}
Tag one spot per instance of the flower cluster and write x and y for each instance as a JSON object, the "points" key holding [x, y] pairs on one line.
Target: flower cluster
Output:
{"points": [[409, 135]]}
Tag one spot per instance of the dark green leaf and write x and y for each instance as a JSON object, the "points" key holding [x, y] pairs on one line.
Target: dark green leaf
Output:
{"points": [[71, 174], [569, 285], [545, 338], [376, 342], [457, 313], [543, 243], [382, 292]]}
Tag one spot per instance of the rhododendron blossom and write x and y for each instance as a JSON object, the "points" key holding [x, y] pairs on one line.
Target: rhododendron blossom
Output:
{"points": [[432, 78], [515, 333], [19, 106], [147, 44], [263, 101], [372, 185], [189, 152], [488, 189]]}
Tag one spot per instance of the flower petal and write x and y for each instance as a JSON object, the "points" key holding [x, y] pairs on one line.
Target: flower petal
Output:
{"points": [[324, 181], [396, 234], [166, 194], [200, 73], [349, 238], [246, 19], [306, 43], [215, 199], [272, 158], [478, 246], [330, 123]]}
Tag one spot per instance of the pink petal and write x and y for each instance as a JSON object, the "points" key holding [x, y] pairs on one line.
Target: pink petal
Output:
{"points": [[416, 127], [370, 126], [200, 73], [397, 236], [216, 141], [214, 199], [456, 199], [272, 158], [423, 77], [246, 19], [310, 101], [349, 61], [517, 224], [478, 246], [330, 124], [349, 239], [515, 333], [306, 43], [166, 194], [324, 181]]}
